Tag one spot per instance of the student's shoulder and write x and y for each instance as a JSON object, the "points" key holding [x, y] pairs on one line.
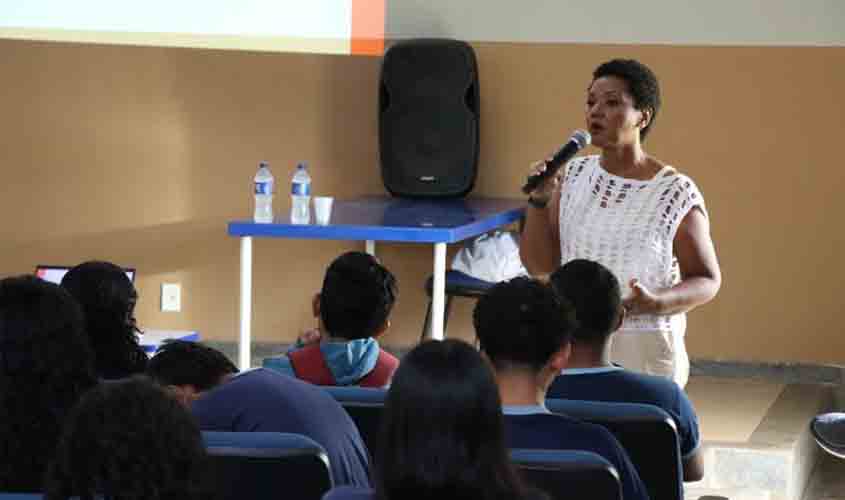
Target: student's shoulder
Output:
{"points": [[563, 426], [651, 389], [575, 434], [268, 380]]}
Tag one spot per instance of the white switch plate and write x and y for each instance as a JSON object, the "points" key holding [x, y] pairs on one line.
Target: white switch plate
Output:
{"points": [[171, 297]]}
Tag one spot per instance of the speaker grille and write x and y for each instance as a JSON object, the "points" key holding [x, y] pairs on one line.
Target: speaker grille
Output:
{"points": [[429, 118]]}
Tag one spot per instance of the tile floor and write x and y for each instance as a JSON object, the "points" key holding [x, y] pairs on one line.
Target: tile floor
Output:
{"points": [[827, 481]]}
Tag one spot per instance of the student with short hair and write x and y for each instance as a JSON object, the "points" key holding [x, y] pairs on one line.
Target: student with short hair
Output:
{"points": [[442, 432], [352, 310], [260, 400], [129, 439], [46, 365], [590, 375], [524, 330]]}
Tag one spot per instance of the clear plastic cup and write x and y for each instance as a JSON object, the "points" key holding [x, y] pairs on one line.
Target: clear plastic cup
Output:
{"points": [[323, 209]]}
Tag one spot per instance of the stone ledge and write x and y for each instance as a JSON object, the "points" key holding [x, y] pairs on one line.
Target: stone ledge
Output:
{"points": [[788, 373], [779, 457]]}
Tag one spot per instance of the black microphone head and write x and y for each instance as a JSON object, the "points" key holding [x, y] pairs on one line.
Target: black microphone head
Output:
{"points": [[582, 138], [576, 142]]}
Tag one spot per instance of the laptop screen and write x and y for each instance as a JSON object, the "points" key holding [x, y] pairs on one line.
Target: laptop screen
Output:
{"points": [[54, 274]]}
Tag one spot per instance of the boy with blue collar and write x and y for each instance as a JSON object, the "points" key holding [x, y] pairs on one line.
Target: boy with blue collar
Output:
{"points": [[352, 310], [524, 330], [590, 375]]}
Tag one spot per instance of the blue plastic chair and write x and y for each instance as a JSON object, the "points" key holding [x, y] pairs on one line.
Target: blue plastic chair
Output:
{"points": [[568, 474], [267, 465], [647, 433], [365, 406], [21, 496], [458, 284]]}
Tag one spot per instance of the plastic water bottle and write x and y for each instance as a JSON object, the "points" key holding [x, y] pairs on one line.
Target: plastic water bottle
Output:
{"points": [[263, 194], [300, 195]]}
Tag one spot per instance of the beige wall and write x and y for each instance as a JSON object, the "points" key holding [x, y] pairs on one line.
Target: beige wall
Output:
{"points": [[141, 156]]}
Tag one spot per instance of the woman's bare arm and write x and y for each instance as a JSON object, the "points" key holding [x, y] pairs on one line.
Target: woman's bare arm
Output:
{"points": [[701, 276]]}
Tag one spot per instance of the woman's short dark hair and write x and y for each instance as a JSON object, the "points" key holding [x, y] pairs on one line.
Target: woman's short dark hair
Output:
{"points": [[129, 439], [45, 366], [642, 84], [357, 296], [442, 430], [108, 298]]}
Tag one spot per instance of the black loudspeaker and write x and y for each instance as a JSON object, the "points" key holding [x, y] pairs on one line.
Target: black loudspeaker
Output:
{"points": [[429, 118]]}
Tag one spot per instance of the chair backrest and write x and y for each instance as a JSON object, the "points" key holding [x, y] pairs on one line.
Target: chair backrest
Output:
{"points": [[567, 474], [250, 465], [365, 406], [647, 433]]}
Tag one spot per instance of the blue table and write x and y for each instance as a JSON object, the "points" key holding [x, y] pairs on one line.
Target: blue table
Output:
{"points": [[380, 218], [150, 340]]}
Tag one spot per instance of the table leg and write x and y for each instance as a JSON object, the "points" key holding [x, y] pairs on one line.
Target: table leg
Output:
{"points": [[370, 247], [438, 291], [245, 344]]}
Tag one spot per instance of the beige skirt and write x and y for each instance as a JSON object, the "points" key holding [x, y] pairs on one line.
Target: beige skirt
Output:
{"points": [[652, 352]]}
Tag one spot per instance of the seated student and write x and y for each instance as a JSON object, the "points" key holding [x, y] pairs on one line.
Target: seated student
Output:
{"points": [[129, 439], [442, 432], [108, 302], [589, 375], [352, 310], [523, 328], [260, 400], [46, 365]]}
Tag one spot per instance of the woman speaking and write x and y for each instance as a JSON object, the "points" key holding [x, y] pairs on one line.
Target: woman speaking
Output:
{"points": [[634, 214]]}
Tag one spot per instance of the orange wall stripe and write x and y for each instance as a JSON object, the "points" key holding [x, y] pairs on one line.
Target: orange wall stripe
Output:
{"points": [[368, 27]]}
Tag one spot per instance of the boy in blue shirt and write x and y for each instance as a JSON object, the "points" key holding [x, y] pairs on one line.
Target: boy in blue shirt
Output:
{"points": [[589, 375], [524, 329], [352, 310]]}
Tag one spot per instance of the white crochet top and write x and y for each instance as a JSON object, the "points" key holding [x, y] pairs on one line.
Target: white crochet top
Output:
{"points": [[628, 226]]}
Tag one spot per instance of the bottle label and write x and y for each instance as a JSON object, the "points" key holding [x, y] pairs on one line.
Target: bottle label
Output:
{"points": [[300, 189], [263, 188]]}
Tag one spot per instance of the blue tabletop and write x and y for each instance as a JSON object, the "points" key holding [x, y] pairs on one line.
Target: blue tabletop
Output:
{"points": [[382, 218]]}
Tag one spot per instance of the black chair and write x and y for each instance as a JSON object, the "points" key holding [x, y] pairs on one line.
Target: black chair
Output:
{"points": [[828, 430], [458, 284], [647, 433], [365, 406], [267, 465], [568, 474]]}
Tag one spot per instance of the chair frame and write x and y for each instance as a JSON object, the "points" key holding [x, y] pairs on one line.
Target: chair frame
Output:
{"points": [[570, 473], [242, 449], [628, 422]]}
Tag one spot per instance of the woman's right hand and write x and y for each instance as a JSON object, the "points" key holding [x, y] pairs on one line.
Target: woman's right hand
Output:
{"points": [[539, 245], [543, 192]]}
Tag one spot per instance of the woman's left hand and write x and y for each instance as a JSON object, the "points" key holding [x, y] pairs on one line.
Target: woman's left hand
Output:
{"points": [[642, 300]]}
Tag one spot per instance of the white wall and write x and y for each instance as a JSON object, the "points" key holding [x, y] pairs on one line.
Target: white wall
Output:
{"points": [[681, 22], [274, 25]]}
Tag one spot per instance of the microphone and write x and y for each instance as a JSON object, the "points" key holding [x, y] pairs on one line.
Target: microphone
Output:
{"points": [[579, 139]]}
